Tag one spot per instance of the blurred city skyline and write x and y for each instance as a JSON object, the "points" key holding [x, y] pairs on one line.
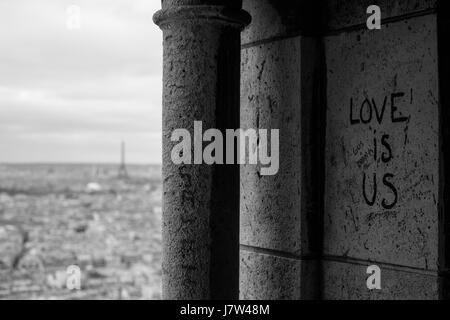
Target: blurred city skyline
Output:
{"points": [[71, 95]]}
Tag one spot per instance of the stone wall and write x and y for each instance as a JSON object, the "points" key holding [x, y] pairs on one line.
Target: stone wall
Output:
{"points": [[278, 90], [362, 163], [382, 152]]}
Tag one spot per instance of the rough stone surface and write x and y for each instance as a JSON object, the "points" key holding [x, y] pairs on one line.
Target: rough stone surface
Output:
{"points": [[200, 206], [348, 281], [271, 99], [266, 277], [277, 91], [399, 60], [267, 21], [341, 14], [189, 94], [280, 18]]}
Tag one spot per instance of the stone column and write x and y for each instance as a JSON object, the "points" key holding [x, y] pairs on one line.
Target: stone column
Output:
{"points": [[200, 202]]}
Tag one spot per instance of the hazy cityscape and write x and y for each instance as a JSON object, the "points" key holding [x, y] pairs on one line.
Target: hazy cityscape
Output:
{"points": [[78, 77], [56, 215]]}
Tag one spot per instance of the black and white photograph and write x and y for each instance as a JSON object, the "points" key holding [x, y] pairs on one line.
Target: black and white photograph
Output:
{"points": [[235, 151]]}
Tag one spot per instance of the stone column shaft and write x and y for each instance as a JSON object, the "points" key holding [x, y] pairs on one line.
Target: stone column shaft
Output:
{"points": [[200, 202]]}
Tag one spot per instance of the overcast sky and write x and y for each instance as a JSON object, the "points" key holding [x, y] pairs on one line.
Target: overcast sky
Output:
{"points": [[72, 95]]}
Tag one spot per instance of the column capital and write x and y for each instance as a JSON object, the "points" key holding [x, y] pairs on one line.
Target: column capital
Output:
{"points": [[218, 14]]}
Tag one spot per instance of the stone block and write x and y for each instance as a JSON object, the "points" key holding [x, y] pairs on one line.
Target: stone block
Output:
{"points": [[267, 277], [347, 281], [383, 127], [341, 14], [271, 99]]}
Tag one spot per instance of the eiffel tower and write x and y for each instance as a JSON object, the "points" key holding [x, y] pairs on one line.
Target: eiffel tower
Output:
{"points": [[123, 169]]}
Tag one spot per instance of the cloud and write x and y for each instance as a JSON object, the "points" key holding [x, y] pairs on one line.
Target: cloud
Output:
{"points": [[72, 94]]}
